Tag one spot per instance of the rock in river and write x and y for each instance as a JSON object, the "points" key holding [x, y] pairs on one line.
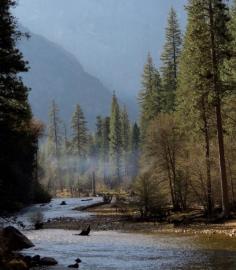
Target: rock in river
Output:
{"points": [[17, 265], [48, 261], [14, 239]]}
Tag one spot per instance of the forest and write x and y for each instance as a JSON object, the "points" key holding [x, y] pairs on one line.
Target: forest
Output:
{"points": [[179, 154]]}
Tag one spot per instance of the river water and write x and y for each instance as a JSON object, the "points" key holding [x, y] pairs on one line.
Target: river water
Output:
{"points": [[110, 250]]}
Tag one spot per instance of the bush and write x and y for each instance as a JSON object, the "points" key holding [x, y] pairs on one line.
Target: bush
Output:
{"points": [[149, 198], [36, 217]]}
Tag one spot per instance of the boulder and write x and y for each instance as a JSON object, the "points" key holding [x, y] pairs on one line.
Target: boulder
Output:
{"points": [[63, 203], [48, 261], [36, 258], [15, 240], [17, 265]]}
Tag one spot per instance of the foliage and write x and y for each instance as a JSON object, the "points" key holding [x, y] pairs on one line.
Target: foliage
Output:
{"points": [[149, 195]]}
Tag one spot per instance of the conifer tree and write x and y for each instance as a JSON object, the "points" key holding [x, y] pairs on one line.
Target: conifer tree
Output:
{"points": [[55, 145], [98, 137], [125, 133], [54, 131], [18, 142], [105, 148], [206, 49], [170, 61], [79, 133], [135, 151], [115, 140], [150, 95]]}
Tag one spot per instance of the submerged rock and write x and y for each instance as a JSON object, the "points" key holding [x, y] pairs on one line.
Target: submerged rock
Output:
{"points": [[48, 261], [76, 265]]}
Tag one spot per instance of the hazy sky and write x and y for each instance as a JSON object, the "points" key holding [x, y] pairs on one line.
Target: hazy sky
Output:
{"points": [[111, 38]]}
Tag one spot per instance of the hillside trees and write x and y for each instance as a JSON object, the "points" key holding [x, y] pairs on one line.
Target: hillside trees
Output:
{"points": [[194, 115], [107, 156]]}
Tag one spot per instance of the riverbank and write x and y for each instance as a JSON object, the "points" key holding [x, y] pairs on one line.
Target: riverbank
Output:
{"points": [[108, 218]]}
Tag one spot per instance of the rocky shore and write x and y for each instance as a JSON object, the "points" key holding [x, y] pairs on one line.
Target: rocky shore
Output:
{"points": [[12, 241]]}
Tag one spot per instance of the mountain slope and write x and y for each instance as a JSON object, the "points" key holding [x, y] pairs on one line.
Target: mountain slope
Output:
{"points": [[56, 74], [111, 38]]}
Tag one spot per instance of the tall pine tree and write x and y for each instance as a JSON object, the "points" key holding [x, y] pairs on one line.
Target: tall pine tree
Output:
{"points": [[105, 148], [150, 95], [79, 133], [170, 61], [54, 131], [135, 150], [115, 141], [125, 133], [206, 48]]}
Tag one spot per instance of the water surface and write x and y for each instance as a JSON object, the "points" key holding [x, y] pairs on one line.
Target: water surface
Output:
{"points": [[111, 250]]}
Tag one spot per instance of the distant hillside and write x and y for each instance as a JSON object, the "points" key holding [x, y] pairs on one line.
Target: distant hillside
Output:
{"points": [[56, 74], [110, 38]]}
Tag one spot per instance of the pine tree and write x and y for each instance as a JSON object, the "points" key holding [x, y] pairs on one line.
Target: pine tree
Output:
{"points": [[220, 52], [79, 133], [115, 141], [98, 137], [54, 131], [150, 95], [135, 151], [206, 49], [170, 61], [55, 146], [18, 141], [105, 148], [125, 133]]}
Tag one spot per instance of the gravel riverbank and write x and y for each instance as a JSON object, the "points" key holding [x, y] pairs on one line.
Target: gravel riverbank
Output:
{"points": [[106, 218]]}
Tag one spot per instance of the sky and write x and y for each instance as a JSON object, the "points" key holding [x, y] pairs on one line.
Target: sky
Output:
{"points": [[110, 38]]}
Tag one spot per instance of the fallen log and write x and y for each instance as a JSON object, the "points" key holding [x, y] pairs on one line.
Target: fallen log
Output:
{"points": [[83, 208]]}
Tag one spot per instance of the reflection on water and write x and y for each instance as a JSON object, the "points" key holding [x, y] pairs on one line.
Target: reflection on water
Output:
{"points": [[115, 250]]}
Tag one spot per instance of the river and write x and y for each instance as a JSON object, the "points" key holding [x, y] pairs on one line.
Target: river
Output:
{"points": [[110, 250]]}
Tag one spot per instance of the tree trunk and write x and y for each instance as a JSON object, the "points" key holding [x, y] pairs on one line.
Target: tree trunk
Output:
{"points": [[231, 181], [207, 158], [220, 135]]}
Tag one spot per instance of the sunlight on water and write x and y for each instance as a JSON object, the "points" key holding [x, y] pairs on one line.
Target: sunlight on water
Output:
{"points": [[116, 250], [55, 210]]}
